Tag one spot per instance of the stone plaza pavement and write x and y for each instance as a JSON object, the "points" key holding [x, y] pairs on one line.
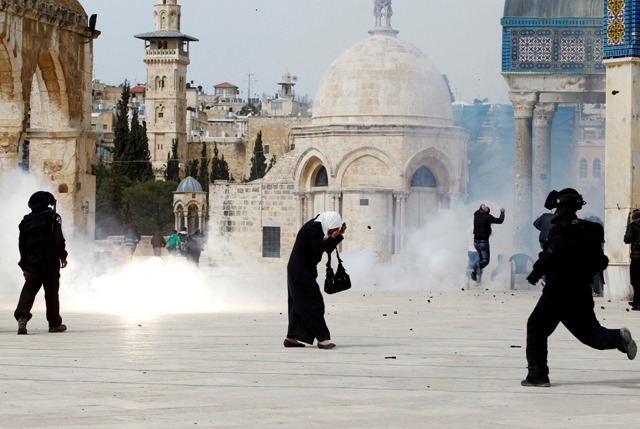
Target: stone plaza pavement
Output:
{"points": [[403, 360]]}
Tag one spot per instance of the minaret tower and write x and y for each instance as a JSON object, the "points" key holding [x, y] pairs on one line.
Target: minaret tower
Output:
{"points": [[167, 57]]}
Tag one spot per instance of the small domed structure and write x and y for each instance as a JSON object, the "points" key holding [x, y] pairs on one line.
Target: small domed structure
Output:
{"points": [[189, 205], [383, 79], [189, 184]]}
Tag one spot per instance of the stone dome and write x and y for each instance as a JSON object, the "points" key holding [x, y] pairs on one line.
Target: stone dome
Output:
{"points": [[189, 184], [553, 9], [72, 5], [382, 80]]}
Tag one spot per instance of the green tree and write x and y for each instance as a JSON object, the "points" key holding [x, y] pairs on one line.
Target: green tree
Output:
{"points": [[110, 185], [219, 167], [121, 126], [250, 108], [258, 160], [191, 169], [203, 173], [136, 159], [149, 206], [173, 163]]}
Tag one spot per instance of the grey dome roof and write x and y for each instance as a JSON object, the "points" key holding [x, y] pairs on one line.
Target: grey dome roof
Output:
{"points": [[554, 9], [189, 184]]}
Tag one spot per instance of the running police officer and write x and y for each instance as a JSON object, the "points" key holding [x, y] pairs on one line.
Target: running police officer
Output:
{"points": [[572, 257], [42, 254]]}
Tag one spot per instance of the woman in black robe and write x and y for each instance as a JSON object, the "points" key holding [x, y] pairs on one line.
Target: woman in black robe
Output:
{"points": [[306, 306]]}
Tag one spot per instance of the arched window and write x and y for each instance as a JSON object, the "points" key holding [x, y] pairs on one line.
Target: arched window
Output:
{"points": [[597, 169], [584, 169], [424, 178], [322, 179]]}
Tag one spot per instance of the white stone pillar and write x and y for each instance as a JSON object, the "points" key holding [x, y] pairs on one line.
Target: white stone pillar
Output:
{"points": [[523, 105], [336, 197], [400, 223], [542, 119], [622, 164]]}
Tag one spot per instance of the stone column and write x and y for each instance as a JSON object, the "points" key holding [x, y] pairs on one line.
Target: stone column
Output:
{"points": [[308, 207], [335, 201], [523, 105], [622, 168], [542, 119], [400, 224]]}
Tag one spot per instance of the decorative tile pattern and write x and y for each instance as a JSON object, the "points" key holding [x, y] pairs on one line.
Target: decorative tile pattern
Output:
{"points": [[616, 17], [535, 49], [564, 45], [572, 50], [621, 25]]}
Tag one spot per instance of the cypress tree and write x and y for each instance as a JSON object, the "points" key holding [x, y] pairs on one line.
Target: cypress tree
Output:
{"points": [[219, 167], [121, 127], [203, 174], [258, 160], [173, 163]]}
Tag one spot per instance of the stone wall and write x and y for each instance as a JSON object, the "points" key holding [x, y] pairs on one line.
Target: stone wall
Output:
{"points": [[238, 214]]}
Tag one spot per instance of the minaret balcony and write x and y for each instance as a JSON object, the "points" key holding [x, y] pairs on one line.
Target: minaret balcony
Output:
{"points": [[166, 53]]}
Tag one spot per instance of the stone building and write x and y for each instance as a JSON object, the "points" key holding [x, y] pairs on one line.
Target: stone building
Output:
{"points": [[167, 59], [46, 64], [381, 148]]}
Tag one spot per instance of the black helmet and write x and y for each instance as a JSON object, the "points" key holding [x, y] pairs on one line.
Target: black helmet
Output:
{"points": [[41, 200], [568, 198]]}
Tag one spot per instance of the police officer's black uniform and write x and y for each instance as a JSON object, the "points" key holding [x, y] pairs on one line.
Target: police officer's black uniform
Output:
{"points": [[632, 237], [42, 253], [571, 259]]}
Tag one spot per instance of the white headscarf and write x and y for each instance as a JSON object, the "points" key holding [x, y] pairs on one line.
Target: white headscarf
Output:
{"points": [[329, 220]]}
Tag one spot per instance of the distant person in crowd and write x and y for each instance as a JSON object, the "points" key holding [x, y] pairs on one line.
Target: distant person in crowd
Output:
{"points": [[482, 221], [184, 237], [195, 246], [157, 243], [173, 243], [632, 237], [573, 256], [306, 306], [130, 243], [42, 255], [543, 224]]}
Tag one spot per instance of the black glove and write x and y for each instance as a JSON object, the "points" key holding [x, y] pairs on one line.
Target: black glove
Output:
{"points": [[533, 278]]}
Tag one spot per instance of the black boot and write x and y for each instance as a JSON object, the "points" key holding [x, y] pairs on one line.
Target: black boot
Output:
{"points": [[627, 345], [540, 381], [22, 326]]}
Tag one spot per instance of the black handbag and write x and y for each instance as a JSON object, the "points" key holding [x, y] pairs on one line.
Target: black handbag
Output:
{"points": [[338, 281]]}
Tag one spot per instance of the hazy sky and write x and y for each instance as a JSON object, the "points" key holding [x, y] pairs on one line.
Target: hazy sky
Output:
{"points": [[268, 37]]}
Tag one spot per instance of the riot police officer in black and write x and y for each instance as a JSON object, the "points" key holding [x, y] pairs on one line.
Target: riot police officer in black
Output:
{"points": [[42, 254], [573, 256]]}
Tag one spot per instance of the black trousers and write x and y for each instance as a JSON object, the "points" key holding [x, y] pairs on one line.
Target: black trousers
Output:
{"points": [[634, 273], [45, 274], [572, 305]]}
